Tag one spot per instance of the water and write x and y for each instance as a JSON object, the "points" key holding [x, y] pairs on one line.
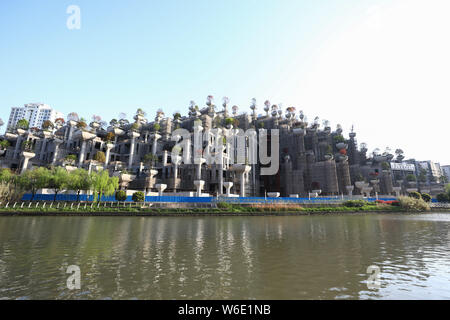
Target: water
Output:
{"points": [[301, 257]]}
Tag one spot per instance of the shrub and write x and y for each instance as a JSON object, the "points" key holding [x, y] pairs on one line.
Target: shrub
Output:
{"points": [[109, 137], [4, 144], [415, 195], [442, 197], [224, 205], [81, 125], [121, 195], [23, 124], [338, 138], [138, 196], [413, 204], [100, 157], [385, 165], [356, 203], [411, 178], [47, 125], [71, 158], [229, 121], [426, 197]]}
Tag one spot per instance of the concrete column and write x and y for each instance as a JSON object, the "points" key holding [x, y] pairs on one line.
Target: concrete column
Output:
{"points": [[133, 135], [221, 168], [27, 156], [397, 191], [350, 190], [82, 153], [242, 193], [199, 184], [165, 154], [44, 143], [130, 159], [228, 186], [155, 142], [57, 143], [176, 161], [18, 143], [161, 188], [199, 162], [109, 146], [242, 170]]}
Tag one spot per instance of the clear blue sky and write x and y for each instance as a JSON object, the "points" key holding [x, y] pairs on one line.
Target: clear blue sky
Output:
{"points": [[162, 54]]}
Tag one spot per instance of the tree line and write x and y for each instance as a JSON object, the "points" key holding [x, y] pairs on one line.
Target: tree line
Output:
{"points": [[57, 179]]}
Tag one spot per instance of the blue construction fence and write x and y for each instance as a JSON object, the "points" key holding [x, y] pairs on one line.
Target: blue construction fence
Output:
{"points": [[177, 199]]}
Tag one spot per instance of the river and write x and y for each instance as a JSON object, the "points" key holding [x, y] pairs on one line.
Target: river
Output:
{"points": [[270, 257]]}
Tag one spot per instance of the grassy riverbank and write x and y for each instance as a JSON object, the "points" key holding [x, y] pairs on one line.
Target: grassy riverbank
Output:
{"points": [[234, 210], [157, 209]]}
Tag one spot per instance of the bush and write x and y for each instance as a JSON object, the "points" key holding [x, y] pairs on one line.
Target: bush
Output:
{"points": [[100, 157], [71, 158], [413, 204], [442, 197], [415, 195], [121, 195], [138, 196], [356, 203], [426, 197]]}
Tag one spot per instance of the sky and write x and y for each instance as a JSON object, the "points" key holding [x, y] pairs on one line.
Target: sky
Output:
{"points": [[382, 66]]}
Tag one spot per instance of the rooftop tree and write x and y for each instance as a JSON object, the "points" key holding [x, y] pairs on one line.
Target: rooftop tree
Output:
{"points": [[23, 124]]}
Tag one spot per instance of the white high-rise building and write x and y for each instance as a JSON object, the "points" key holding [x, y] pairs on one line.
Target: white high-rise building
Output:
{"points": [[433, 169], [446, 171], [34, 113]]}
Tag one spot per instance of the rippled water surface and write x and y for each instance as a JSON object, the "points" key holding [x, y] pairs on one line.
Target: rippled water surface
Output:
{"points": [[302, 257]]}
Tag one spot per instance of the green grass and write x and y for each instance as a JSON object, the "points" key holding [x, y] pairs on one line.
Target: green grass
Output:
{"points": [[228, 208]]}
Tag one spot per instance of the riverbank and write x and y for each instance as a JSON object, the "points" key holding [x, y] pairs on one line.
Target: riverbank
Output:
{"points": [[207, 212]]}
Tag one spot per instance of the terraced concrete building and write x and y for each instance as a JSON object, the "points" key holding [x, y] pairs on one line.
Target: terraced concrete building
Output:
{"points": [[313, 158]]}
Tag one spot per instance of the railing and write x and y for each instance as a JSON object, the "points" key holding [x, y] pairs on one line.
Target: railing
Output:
{"points": [[440, 205], [178, 199], [84, 205]]}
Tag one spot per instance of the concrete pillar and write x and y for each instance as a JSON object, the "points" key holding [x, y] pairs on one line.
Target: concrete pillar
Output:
{"points": [[349, 190], [18, 145], [242, 193], [228, 186], [133, 135], [176, 161], [221, 168], [155, 143], [161, 188], [27, 156], [199, 162], [199, 184], [165, 154], [44, 143], [57, 143], [109, 147], [82, 153]]}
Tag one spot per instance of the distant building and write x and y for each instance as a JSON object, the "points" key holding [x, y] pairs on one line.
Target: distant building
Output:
{"points": [[446, 171], [433, 170], [34, 113]]}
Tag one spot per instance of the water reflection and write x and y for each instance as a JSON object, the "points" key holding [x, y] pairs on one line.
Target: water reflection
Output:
{"points": [[317, 257]]}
